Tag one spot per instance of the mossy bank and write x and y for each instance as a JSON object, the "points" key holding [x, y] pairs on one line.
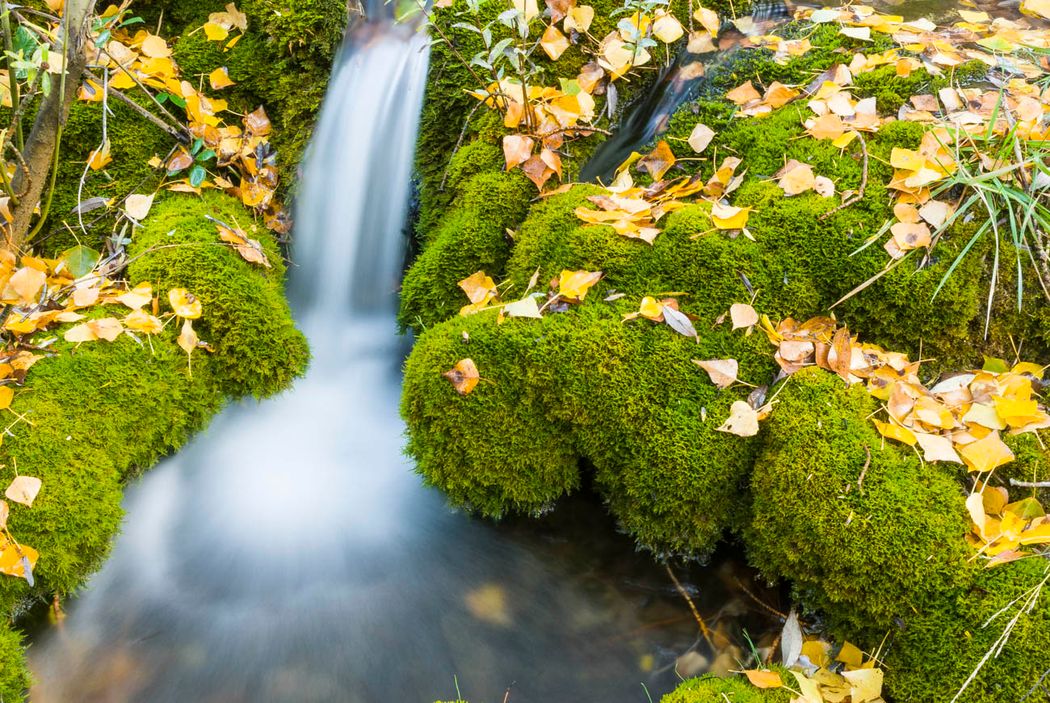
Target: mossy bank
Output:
{"points": [[581, 390]]}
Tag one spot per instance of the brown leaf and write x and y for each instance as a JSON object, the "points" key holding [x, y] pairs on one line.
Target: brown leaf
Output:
{"points": [[464, 376]]}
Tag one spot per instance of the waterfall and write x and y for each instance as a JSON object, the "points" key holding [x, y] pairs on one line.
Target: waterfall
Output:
{"points": [[289, 555]]}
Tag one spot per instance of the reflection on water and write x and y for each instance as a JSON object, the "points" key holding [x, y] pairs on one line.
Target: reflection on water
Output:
{"points": [[290, 555]]}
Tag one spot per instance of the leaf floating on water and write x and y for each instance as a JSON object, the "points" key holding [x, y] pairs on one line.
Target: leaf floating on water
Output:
{"points": [[464, 376], [488, 603], [23, 489], [723, 372]]}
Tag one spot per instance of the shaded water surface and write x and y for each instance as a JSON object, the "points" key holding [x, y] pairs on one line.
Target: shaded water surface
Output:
{"points": [[289, 552]]}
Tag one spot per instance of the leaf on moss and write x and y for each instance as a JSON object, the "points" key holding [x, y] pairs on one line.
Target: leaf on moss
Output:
{"points": [[742, 420], [24, 490], [723, 372], [464, 376]]}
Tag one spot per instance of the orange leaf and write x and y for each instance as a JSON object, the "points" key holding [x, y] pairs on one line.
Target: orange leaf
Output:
{"points": [[763, 678], [464, 376]]}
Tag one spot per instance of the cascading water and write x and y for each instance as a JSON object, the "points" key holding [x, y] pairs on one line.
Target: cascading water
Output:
{"points": [[289, 554]]}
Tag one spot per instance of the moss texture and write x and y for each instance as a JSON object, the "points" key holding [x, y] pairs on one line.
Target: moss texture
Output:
{"points": [[888, 556], [736, 689], [179, 247], [100, 412]]}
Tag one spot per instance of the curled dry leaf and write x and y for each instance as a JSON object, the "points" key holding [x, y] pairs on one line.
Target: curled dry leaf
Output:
{"points": [[464, 376], [23, 489], [723, 372]]}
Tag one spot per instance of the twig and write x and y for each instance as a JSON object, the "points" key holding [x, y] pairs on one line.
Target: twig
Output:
{"points": [[459, 143], [1029, 484], [696, 613], [863, 182], [864, 471], [180, 135], [770, 609], [132, 76]]}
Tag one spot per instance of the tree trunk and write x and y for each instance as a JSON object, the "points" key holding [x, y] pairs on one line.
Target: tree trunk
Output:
{"points": [[43, 139]]}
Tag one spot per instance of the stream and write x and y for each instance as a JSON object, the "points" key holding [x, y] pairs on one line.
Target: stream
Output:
{"points": [[289, 553]]}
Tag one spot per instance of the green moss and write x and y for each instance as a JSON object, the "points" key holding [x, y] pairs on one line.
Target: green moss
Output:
{"points": [[736, 689], [14, 674], [179, 247], [937, 650], [133, 141], [865, 553], [583, 386], [296, 45], [495, 449]]}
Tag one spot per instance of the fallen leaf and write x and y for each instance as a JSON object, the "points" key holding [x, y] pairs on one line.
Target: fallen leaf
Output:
{"points": [[23, 489], [742, 420], [937, 448], [553, 42], [464, 376], [865, 684], [742, 315], [220, 78], [790, 638], [479, 287], [188, 338], [137, 206], [7, 394], [728, 216], [986, 454], [184, 303], [26, 282], [573, 285], [764, 678], [743, 94], [679, 322], [100, 157], [700, 137], [723, 372], [658, 161]]}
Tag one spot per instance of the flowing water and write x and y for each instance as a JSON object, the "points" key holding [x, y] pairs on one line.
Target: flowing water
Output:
{"points": [[289, 552]]}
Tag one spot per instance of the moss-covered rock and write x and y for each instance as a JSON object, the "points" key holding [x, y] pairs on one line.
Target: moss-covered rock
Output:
{"points": [[179, 247], [96, 414], [14, 674], [874, 539], [712, 689]]}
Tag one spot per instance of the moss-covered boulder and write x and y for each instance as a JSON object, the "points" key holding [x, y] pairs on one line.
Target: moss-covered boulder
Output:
{"points": [[875, 539], [712, 689], [96, 414]]}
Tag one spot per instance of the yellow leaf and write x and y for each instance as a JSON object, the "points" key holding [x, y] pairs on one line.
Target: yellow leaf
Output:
{"points": [[729, 217], [220, 78], [742, 315], [528, 8], [138, 296], [13, 559], [553, 42], [5, 511], [579, 19], [7, 394], [188, 338], [573, 285], [798, 179], [850, 655], [26, 282], [708, 19], [865, 684], [666, 28], [215, 32], [778, 95], [763, 678], [658, 161], [155, 47], [479, 287], [894, 431], [651, 309], [906, 159], [517, 149], [1036, 8], [937, 448], [23, 489], [137, 206], [184, 303], [742, 420], [723, 372], [743, 94], [464, 376], [986, 454], [142, 321], [700, 137], [100, 157]]}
